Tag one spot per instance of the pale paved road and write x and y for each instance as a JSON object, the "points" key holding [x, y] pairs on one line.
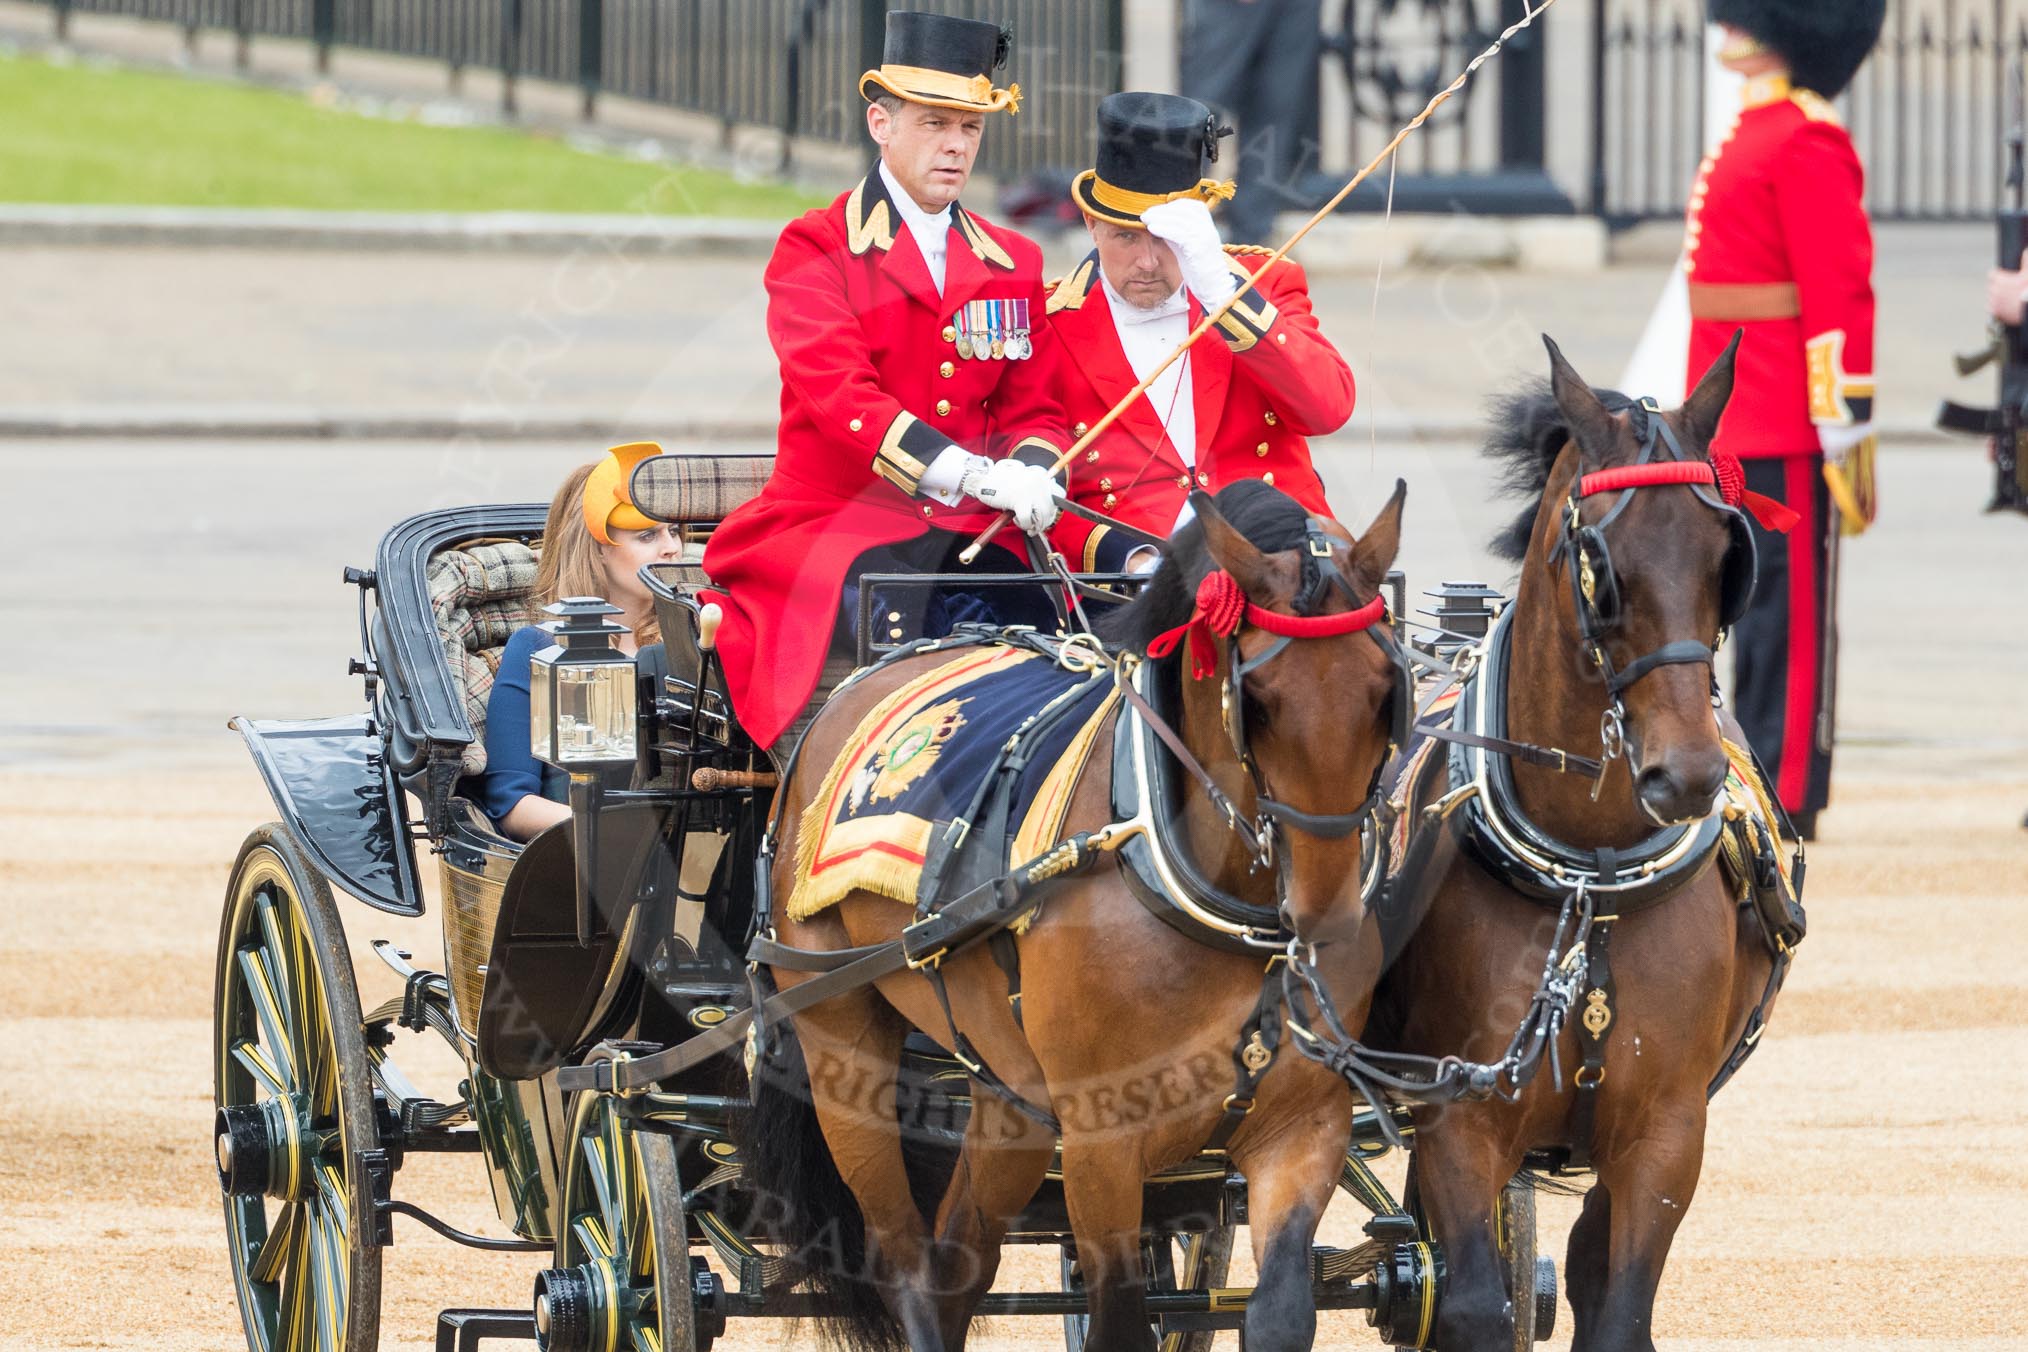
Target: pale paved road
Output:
{"points": [[1864, 1179], [658, 343]]}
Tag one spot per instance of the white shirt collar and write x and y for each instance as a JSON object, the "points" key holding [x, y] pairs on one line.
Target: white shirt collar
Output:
{"points": [[932, 230]]}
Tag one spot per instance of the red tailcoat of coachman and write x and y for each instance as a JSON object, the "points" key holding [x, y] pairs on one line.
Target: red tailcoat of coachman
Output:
{"points": [[1262, 383], [873, 388], [1779, 246]]}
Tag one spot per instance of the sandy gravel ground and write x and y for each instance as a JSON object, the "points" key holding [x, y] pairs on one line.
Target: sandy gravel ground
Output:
{"points": [[1863, 1185]]}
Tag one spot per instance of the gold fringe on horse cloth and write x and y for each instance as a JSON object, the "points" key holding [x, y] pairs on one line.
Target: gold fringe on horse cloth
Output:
{"points": [[884, 854]]}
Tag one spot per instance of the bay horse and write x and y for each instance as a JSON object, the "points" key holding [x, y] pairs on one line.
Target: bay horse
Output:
{"points": [[1648, 576], [1128, 1030]]}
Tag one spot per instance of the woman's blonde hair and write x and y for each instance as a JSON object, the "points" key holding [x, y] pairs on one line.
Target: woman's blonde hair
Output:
{"points": [[570, 563]]}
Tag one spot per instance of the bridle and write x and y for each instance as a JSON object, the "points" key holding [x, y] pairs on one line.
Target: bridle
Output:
{"points": [[1719, 484], [1223, 610]]}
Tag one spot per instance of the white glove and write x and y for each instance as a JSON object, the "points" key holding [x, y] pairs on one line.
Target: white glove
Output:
{"points": [[1146, 559], [1839, 442], [1028, 493], [952, 474], [1185, 225]]}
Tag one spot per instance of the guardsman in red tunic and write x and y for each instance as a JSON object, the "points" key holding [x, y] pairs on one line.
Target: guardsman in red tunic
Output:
{"points": [[1239, 404], [1780, 246], [916, 398]]}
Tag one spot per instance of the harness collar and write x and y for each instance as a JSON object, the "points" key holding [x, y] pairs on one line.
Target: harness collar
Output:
{"points": [[1513, 848]]}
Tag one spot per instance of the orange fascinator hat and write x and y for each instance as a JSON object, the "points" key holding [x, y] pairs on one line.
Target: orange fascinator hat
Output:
{"points": [[607, 506]]}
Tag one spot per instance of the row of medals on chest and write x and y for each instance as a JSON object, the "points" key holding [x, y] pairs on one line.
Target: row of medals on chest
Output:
{"points": [[992, 330]]}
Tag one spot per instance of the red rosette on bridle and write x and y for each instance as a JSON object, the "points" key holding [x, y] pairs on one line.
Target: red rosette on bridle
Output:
{"points": [[1221, 605], [1724, 472]]}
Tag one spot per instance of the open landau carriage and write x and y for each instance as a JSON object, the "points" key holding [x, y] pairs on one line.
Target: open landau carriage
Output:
{"points": [[632, 943]]}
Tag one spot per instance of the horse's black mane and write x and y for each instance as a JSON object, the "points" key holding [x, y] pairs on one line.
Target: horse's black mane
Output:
{"points": [[1528, 433], [1270, 519]]}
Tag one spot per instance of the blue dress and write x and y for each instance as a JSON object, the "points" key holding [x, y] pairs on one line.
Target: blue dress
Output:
{"points": [[512, 772]]}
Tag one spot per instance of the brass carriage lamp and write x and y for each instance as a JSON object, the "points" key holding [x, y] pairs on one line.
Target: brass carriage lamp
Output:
{"points": [[582, 691]]}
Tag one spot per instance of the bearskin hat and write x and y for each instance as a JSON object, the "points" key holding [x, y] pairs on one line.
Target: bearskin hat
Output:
{"points": [[1824, 41]]}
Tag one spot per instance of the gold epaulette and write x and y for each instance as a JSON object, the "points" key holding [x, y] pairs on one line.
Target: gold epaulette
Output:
{"points": [[1068, 293], [1816, 107]]}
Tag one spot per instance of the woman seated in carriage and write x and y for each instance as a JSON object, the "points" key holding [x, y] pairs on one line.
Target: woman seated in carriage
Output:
{"points": [[595, 543]]}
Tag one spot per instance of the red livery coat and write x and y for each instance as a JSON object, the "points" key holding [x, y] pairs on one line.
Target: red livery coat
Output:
{"points": [[1779, 245], [1272, 382], [873, 389]]}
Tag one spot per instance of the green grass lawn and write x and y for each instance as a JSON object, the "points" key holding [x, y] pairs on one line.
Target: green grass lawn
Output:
{"points": [[78, 134]]}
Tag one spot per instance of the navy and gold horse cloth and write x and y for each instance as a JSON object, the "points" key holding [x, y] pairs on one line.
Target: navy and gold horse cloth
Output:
{"points": [[920, 757]]}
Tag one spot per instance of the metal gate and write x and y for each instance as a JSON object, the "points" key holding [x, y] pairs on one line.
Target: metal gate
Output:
{"points": [[1930, 112]]}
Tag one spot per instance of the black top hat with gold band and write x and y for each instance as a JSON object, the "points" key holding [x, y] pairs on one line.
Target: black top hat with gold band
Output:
{"points": [[1825, 42], [1152, 148], [943, 62]]}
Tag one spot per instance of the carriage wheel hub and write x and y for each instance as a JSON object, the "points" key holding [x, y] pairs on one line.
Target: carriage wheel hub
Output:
{"points": [[577, 1309], [264, 1149]]}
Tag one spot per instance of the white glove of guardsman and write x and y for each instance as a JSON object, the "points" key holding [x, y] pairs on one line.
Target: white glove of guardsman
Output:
{"points": [[1028, 493], [1185, 225]]}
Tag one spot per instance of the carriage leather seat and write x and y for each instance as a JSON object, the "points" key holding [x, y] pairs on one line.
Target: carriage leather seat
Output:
{"points": [[481, 592]]}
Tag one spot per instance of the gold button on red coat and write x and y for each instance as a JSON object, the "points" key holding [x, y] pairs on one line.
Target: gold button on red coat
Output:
{"points": [[1268, 478], [1079, 431], [1272, 420], [855, 424], [1182, 481], [1112, 501], [947, 370], [1203, 479], [1091, 456], [943, 408], [1105, 485], [950, 334], [1261, 450]]}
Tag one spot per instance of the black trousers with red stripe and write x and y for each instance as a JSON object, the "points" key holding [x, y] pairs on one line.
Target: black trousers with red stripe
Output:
{"points": [[1785, 651]]}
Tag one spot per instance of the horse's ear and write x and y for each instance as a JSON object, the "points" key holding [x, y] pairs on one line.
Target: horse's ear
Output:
{"points": [[1231, 550], [1706, 405], [1375, 552], [1594, 429]]}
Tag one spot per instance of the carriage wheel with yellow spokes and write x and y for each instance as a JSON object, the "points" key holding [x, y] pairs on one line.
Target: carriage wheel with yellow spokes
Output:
{"points": [[622, 1280], [294, 1102]]}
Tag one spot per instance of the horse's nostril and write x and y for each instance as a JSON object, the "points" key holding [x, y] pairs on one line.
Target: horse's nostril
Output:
{"points": [[1669, 798]]}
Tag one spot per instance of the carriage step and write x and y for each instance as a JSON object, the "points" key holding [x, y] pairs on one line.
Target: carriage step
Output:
{"points": [[463, 1330]]}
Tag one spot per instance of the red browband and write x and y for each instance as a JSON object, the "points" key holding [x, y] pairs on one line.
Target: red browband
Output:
{"points": [[1221, 605], [1724, 472]]}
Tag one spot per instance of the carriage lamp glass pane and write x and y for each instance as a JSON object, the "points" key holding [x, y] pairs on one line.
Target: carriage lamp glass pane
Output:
{"points": [[594, 712], [541, 726]]}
